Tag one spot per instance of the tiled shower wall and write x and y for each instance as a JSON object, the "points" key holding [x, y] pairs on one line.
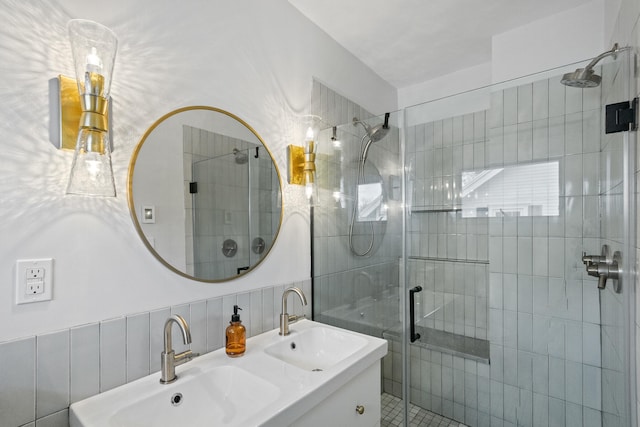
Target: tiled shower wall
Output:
{"points": [[43, 375], [340, 278]]}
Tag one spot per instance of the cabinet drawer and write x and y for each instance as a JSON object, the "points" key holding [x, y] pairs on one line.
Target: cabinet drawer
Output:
{"points": [[339, 409]]}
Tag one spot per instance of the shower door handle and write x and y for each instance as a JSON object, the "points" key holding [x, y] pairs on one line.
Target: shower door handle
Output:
{"points": [[412, 314]]}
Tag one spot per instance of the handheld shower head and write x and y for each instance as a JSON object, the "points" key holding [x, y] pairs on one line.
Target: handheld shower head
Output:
{"points": [[379, 131], [375, 133]]}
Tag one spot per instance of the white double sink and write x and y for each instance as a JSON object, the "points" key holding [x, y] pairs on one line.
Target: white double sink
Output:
{"points": [[277, 381]]}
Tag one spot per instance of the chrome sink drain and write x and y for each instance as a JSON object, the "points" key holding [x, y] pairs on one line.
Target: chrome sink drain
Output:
{"points": [[176, 399]]}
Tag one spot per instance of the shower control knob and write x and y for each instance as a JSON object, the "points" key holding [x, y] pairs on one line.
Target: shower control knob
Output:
{"points": [[604, 267]]}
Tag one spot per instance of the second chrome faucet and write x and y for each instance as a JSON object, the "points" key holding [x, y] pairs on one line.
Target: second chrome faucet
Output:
{"points": [[286, 318], [169, 359]]}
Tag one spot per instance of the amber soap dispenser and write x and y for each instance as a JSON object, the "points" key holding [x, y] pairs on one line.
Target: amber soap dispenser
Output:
{"points": [[236, 342]]}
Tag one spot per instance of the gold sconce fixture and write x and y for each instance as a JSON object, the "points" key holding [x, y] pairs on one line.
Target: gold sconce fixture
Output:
{"points": [[84, 104], [302, 160]]}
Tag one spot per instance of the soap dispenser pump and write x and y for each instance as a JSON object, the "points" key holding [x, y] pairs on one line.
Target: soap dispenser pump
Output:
{"points": [[236, 341]]}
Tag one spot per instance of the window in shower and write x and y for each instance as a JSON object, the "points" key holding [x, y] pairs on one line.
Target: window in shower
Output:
{"points": [[514, 190]]}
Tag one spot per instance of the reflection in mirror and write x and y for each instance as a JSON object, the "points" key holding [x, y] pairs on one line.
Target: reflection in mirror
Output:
{"points": [[371, 206], [215, 193], [517, 190], [365, 197]]}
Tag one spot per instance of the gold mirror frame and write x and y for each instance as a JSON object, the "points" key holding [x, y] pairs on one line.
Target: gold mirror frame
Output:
{"points": [[133, 207]]}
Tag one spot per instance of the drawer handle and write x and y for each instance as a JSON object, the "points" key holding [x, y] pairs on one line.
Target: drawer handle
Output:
{"points": [[360, 409]]}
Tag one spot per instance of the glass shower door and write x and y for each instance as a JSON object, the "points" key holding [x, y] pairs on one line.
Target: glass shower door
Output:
{"points": [[221, 216], [617, 202], [357, 241], [503, 200]]}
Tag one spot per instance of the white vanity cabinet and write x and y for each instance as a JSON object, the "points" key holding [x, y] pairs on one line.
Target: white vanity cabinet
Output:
{"points": [[340, 408]]}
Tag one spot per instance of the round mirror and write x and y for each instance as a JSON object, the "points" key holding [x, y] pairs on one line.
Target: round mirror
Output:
{"points": [[205, 194]]}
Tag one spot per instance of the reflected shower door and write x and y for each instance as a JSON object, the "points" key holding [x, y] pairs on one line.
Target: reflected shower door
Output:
{"points": [[221, 217]]}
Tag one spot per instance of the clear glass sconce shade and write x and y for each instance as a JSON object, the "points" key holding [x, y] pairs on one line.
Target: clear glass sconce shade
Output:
{"points": [[94, 49], [312, 125], [91, 170]]}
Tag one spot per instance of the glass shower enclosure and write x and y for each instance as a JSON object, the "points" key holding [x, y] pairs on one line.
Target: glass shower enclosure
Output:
{"points": [[469, 238]]}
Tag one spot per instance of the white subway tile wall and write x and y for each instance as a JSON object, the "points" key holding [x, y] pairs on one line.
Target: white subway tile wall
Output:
{"points": [[343, 281], [18, 391], [85, 359], [51, 371]]}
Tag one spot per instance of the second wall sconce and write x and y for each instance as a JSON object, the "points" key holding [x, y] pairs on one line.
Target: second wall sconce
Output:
{"points": [[302, 160], [84, 104]]}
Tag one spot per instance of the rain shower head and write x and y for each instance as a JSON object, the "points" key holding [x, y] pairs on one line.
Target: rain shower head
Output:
{"points": [[581, 78], [585, 77], [240, 157]]}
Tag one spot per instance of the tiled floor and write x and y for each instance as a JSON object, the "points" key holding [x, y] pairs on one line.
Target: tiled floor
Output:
{"points": [[392, 415]]}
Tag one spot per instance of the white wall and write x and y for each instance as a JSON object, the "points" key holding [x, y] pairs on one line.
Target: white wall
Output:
{"points": [[456, 82], [564, 38], [253, 58]]}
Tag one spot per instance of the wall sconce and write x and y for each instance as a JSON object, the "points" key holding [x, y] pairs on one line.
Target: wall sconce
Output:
{"points": [[84, 121], [302, 160]]}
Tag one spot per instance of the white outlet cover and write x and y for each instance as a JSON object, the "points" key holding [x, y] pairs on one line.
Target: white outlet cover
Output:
{"points": [[22, 266]]}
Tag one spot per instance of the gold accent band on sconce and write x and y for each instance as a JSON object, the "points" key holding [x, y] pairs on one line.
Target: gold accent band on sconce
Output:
{"points": [[72, 117], [296, 160], [70, 112], [309, 168], [93, 120]]}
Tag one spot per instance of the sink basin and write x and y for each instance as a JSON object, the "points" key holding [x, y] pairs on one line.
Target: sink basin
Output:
{"points": [[195, 399], [272, 385], [316, 349]]}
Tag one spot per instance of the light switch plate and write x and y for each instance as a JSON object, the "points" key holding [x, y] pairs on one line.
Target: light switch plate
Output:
{"points": [[34, 280]]}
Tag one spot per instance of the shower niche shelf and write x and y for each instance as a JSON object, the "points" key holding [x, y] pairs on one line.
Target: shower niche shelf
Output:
{"points": [[448, 343]]}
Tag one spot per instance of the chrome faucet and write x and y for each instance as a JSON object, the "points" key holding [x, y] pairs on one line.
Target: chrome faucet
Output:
{"points": [[168, 359], [285, 318]]}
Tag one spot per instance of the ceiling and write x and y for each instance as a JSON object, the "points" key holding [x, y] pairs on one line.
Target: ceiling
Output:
{"points": [[410, 41]]}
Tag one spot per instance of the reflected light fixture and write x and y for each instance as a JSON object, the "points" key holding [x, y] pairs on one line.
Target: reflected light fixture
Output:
{"points": [[337, 144], [94, 51], [302, 160]]}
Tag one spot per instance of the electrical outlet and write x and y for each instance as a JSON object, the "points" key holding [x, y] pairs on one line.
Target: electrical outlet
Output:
{"points": [[34, 280]]}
